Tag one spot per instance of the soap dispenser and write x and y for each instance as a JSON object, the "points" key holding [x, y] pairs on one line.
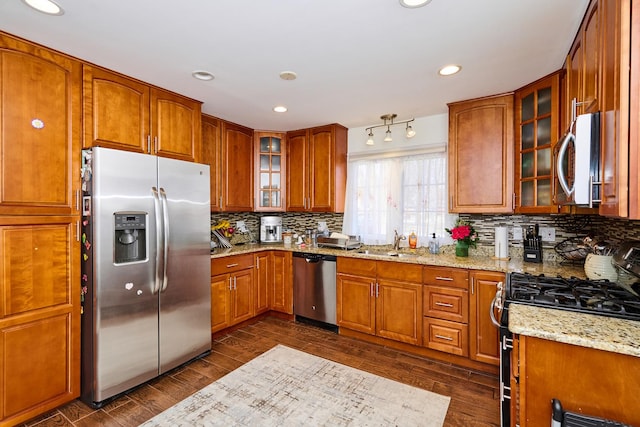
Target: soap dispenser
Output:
{"points": [[413, 240], [434, 246]]}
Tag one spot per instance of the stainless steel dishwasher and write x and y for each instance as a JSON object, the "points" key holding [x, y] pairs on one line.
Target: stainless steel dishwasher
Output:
{"points": [[314, 287]]}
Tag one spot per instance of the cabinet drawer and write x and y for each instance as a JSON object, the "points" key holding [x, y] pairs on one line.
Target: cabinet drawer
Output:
{"points": [[441, 276], [443, 335], [356, 267], [400, 271], [446, 303], [232, 263]]}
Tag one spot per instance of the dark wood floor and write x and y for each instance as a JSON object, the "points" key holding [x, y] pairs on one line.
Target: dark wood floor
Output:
{"points": [[474, 396]]}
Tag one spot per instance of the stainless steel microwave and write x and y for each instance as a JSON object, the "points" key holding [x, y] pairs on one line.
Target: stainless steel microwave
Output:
{"points": [[578, 173]]}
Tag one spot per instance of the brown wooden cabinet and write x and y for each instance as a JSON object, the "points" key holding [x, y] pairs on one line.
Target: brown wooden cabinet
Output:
{"points": [[39, 315], [481, 155], [237, 168], [228, 150], [40, 112], [537, 118], [212, 156], [355, 299], [126, 114], [40, 139], [281, 286], [262, 281], [270, 174], [620, 115], [244, 286], [232, 291], [484, 337], [377, 298], [317, 169], [446, 310], [583, 64], [585, 380]]}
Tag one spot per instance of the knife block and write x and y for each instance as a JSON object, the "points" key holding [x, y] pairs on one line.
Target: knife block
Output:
{"points": [[533, 249]]}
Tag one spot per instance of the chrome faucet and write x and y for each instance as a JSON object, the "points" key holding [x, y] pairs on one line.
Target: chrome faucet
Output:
{"points": [[396, 240]]}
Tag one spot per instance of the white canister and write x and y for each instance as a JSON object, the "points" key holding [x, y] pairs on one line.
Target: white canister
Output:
{"points": [[599, 267]]}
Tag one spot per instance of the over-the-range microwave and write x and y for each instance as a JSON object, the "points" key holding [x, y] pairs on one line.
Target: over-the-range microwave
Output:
{"points": [[578, 173]]}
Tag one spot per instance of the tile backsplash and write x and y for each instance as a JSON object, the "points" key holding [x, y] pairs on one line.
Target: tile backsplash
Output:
{"points": [[293, 221], [567, 227]]}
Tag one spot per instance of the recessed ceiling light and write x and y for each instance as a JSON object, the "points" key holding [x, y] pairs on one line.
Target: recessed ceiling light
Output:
{"points": [[412, 4], [288, 75], [202, 75], [280, 109], [448, 70], [45, 6]]}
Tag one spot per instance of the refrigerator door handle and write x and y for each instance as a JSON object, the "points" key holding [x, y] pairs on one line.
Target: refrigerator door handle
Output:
{"points": [[165, 235], [159, 245]]}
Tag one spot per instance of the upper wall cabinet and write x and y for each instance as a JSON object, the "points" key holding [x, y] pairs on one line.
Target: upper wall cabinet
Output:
{"points": [[40, 104], [537, 109], [270, 177], [212, 156], [481, 155], [620, 116], [126, 114], [583, 66], [317, 169], [237, 168], [228, 150]]}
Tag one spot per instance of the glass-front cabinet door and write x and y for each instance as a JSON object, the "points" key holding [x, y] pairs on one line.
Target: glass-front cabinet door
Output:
{"points": [[537, 122], [270, 173]]}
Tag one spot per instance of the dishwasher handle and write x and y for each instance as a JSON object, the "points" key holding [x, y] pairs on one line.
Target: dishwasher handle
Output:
{"points": [[313, 257]]}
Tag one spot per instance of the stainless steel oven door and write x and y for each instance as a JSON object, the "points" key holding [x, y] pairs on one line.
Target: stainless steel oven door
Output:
{"points": [[498, 310]]}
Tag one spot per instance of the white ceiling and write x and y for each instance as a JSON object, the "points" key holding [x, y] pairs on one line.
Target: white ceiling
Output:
{"points": [[355, 59]]}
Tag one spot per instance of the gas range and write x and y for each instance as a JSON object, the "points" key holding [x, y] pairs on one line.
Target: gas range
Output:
{"points": [[600, 297]]}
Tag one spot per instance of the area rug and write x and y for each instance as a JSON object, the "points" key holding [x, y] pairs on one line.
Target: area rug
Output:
{"points": [[287, 387]]}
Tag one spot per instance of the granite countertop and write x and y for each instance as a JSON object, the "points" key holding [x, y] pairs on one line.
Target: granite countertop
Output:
{"points": [[582, 329], [476, 260]]}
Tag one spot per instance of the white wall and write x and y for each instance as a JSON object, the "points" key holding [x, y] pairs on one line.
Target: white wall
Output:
{"points": [[430, 130]]}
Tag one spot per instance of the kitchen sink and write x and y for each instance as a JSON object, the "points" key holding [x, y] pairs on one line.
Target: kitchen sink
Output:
{"points": [[386, 253]]}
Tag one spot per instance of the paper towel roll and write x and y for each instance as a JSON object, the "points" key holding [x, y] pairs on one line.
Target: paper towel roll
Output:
{"points": [[501, 243]]}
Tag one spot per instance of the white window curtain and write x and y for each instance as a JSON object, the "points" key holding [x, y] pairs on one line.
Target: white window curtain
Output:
{"points": [[405, 192]]}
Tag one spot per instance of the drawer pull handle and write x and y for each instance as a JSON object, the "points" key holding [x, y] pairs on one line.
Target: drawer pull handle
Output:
{"points": [[448, 279], [232, 265], [443, 304], [442, 337]]}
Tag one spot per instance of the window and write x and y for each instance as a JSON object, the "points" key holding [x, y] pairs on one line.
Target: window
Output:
{"points": [[406, 192]]}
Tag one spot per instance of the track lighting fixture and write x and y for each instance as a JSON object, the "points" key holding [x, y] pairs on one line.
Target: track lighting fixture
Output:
{"points": [[388, 122]]}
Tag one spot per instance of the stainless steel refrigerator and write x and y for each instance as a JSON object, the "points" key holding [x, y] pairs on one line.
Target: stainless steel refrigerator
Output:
{"points": [[146, 269]]}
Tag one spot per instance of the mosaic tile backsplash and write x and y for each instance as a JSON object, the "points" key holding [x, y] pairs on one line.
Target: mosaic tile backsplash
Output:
{"points": [[568, 228]]}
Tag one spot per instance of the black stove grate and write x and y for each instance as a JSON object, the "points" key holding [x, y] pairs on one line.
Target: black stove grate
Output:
{"points": [[589, 296]]}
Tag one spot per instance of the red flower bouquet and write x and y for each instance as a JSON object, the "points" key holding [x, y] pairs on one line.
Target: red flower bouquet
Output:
{"points": [[464, 231]]}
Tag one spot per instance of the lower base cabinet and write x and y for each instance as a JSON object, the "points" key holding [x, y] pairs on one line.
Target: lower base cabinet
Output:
{"points": [[585, 380], [244, 286], [39, 316], [232, 291], [446, 310], [441, 312], [262, 281], [281, 286], [274, 282], [377, 298], [484, 341]]}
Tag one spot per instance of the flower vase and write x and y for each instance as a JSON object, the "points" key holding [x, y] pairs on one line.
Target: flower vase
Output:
{"points": [[462, 248]]}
